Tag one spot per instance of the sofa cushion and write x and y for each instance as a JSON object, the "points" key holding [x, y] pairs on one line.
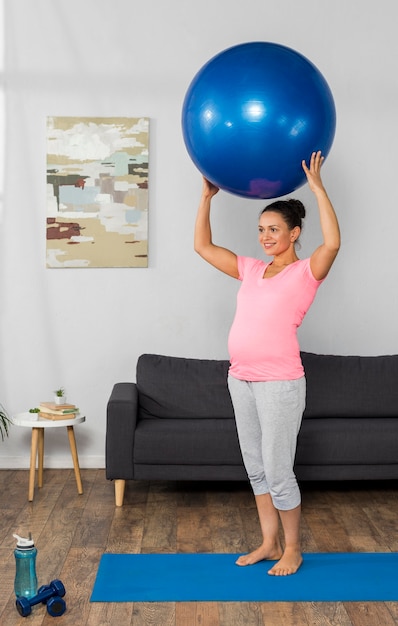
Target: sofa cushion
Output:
{"points": [[351, 386], [187, 442], [174, 387], [336, 441]]}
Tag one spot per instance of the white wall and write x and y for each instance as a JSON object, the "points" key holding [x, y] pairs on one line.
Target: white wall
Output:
{"points": [[85, 328]]}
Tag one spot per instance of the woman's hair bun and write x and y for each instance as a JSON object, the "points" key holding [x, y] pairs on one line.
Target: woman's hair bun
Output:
{"points": [[297, 207], [292, 211]]}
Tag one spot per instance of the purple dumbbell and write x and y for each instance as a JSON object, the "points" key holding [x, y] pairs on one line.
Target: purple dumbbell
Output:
{"points": [[51, 595]]}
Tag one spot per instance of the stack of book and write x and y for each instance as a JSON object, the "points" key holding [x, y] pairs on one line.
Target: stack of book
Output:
{"points": [[52, 411]]}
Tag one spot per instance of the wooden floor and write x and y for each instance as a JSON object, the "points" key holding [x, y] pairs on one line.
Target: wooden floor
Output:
{"points": [[72, 532]]}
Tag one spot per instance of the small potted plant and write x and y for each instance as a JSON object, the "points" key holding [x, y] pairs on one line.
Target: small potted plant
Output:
{"points": [[4, 423], [59, 396]]}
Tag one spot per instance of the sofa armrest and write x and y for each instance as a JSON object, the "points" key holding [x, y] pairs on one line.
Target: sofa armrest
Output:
{"points": [[120, 429]]}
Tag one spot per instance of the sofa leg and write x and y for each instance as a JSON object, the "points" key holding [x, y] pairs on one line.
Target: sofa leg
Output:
{"points": [[119, 491]]}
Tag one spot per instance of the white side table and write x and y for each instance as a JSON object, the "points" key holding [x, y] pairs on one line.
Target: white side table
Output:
{"points": [[38, 426]]}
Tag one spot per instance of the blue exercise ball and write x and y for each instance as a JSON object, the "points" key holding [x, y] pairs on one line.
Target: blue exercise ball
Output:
{"points": [[252, 114]]}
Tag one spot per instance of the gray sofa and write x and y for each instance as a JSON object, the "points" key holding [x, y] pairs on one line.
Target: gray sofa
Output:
{"points": [[176, 421]]}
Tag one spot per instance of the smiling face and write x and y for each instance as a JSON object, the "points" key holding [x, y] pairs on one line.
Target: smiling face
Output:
{"points": [[274, 234]]}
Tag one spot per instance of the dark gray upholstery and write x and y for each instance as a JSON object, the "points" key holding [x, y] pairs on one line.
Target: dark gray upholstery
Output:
{"points": [[176, 422], [173, 387], [351, 386]]}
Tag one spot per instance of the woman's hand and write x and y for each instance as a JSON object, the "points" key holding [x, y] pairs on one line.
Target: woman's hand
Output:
{"points": [[313, 173], [209, 189]]}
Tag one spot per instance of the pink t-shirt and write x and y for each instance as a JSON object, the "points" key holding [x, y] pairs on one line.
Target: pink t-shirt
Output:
{"points": [[263, 342]]}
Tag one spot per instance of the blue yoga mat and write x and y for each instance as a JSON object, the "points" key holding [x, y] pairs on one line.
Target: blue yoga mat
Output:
{"points": [[327, 577]]}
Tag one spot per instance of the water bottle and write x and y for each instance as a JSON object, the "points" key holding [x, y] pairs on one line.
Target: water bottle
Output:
{"points": [[25, 584]]}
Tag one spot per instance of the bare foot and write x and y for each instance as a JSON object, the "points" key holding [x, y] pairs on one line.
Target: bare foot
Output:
{"points": [[288, 564], [265, 552]]}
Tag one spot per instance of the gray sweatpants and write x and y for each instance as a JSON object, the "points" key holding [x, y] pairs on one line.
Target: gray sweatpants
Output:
{"points": [[268, 418]]}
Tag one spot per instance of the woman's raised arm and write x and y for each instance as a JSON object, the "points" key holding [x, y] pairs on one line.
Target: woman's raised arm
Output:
{"points": [[323, 257], [223, 259]]}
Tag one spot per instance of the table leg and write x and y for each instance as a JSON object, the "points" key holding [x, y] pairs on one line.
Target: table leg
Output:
{"points": [[73, 449], [40, 458], [33, 456]]}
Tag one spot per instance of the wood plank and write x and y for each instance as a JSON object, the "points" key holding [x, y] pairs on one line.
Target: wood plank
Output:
{"points": [[292, 613], [78, 576], [362, 533], [96, 519], [228, 534], [328, 530], [239, 613], [326, 614], [384, 520], [7, 575], [308, 542], [393, 609], [369, 614], [160, 528], [194, 533], [126, 530], [110, 613], [153, 614], [197, 614]]}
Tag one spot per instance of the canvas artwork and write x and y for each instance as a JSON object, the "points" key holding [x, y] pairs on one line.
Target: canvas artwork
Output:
{"points": [[97, 192]]}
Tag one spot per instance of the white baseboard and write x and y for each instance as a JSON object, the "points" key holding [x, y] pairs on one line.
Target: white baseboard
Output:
{"points": [[60, 462]]}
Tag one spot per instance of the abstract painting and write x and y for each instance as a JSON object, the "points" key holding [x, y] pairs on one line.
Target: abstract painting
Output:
{"points": [[97, 192]]}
